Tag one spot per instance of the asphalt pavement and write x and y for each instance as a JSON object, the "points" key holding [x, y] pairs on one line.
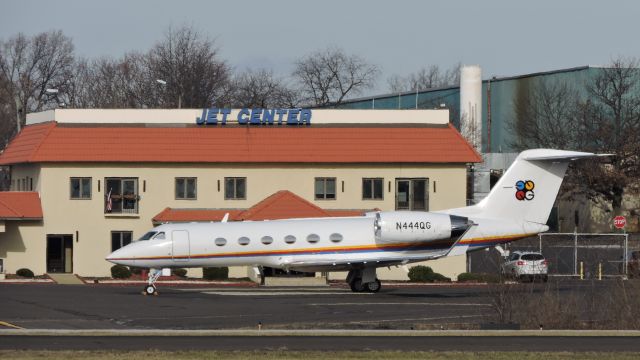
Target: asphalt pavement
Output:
{"points": [[369, 319]]}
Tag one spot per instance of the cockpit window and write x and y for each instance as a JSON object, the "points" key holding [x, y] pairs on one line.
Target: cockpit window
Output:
{"points": [[159, 236], [148, 235]]}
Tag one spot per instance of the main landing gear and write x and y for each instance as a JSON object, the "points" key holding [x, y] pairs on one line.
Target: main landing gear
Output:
{"points": [[150, 289], [364, 280]]}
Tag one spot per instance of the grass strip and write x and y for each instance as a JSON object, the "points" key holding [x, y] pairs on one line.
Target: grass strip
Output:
{"points": [[306, 355]]}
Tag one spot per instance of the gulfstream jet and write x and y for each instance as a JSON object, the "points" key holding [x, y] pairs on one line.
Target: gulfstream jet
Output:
{"points": [[518, 206]]}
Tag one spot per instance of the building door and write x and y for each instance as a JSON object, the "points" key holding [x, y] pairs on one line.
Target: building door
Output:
{"points": [[181, 245], [59, 253], [412, 194]]}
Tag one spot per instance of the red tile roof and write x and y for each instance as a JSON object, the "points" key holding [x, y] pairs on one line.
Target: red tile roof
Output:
{"points": [[281, 205], [52, 142], [187, 215], [16, 205]]}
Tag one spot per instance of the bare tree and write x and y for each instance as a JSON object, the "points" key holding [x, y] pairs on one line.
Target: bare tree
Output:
{"points": [[114, 83], [547, 115], [260, 88], [425, 78], [604, 118], [189, 64], [31, 65], [329, 76]]}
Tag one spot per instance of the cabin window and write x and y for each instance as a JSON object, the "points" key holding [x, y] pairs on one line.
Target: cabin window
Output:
{"points": [[372, 188], [313, 238], [266, 240], [335, 237], [120, 239], [220, 241], [186, 188], [244, 241], [325, 188], [289, 239], [160, 236], [235, 188], [80, 188]]}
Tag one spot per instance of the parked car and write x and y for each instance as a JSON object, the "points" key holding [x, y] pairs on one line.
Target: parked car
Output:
{"points": [[525, 265]]}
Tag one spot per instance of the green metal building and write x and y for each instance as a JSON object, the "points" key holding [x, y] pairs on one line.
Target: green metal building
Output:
{"points": [[498, 97]]}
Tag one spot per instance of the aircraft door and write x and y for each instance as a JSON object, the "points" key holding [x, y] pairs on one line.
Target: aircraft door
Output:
{"points": [[181, 245]]}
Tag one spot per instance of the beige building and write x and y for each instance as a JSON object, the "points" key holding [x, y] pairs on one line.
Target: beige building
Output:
{"points": [[102, 176]]}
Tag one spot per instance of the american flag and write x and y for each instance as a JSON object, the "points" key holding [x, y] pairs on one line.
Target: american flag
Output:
{"points": [[109, 201]]}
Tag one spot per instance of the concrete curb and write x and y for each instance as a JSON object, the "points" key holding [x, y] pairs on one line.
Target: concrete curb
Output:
{"points": [[298, 332], [27, 281]]}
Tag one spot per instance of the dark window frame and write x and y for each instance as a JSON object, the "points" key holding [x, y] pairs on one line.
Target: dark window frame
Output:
{"points": [[120, 197], [185, 194], [235, 196], [80, 188], [121, 239], [325, 194], [372, 186]]}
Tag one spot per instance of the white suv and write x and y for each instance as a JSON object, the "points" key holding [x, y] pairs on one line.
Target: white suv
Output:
{"points": [[525, 265]]}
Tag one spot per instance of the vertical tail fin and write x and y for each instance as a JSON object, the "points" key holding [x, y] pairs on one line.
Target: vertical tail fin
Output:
{"points": [[528, 189]]}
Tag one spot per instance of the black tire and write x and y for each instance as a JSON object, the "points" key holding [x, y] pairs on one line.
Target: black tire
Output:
{"points": [[356, 285], [374, 286], [149, 290]]}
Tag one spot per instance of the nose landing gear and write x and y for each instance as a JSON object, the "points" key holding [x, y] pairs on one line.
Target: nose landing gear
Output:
{"points": [[150, 289]]}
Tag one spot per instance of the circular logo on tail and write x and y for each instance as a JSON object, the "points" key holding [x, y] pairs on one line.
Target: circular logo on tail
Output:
{"points": [[524, 190]]}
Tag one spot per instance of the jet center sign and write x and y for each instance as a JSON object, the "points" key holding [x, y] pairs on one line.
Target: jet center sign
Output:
{"points": [[222, 116]]}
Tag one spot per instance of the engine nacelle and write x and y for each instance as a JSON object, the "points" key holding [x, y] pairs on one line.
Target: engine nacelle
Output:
{"points": [[410, 226]]}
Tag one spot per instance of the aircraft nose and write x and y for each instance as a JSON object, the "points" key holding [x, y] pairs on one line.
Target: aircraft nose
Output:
{"points": [[122, 256]]}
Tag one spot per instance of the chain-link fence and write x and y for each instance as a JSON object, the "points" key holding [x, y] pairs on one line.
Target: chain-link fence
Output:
{"points": [[568, 254]]}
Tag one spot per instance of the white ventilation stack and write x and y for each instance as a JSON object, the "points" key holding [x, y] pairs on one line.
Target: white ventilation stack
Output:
{"points": [[471, 105]]}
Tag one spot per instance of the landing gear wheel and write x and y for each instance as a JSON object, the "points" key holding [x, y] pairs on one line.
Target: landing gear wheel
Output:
{"points": [[374, 286], [150, 290], [357, 286]]}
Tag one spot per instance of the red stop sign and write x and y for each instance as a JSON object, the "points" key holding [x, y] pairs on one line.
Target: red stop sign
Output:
{"points": [[619, 222]]}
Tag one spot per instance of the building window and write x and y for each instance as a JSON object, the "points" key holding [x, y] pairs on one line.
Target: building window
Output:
{"points": [[372, 188], [81, 188], [120, 239], [121, 196], [325, 188], [186, 188], [235, 188], [412, 194]]}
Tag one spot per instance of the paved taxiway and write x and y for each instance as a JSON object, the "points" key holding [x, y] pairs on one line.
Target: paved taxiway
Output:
{"points": [[123, 307], [124, 310]]}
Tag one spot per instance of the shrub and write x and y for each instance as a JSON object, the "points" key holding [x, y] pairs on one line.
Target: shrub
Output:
{"points": [[179, 272], [120, 272], [422, 273], [25, 273], [215, 273], [479, 277], [135, 270]]}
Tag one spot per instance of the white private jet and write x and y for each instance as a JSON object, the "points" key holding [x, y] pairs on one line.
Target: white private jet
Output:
{"points": [[518, 206]]}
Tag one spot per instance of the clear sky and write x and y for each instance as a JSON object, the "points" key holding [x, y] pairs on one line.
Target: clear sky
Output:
{"points": [[504, 37]]}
